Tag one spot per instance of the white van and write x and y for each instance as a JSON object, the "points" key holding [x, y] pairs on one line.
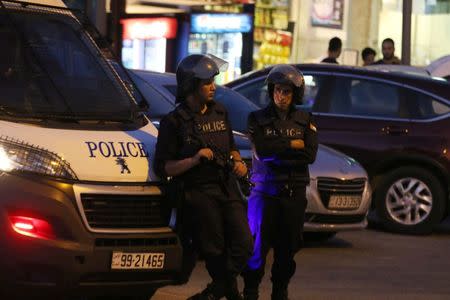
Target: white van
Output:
{"points": [[80, 207]]}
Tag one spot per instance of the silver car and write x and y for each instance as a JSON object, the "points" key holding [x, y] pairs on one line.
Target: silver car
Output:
{"points": [[339, 193]]}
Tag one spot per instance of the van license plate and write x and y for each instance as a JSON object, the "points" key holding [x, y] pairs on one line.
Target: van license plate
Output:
{"points": [[127, 260], [344, 202]]}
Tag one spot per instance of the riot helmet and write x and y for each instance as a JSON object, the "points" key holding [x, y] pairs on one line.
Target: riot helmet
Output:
{"points": [[194, 68], [287, 74]]}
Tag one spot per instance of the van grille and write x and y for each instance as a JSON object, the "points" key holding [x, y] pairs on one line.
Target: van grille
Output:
{"points": [[105, 211], [137, 242], [329, 186]]}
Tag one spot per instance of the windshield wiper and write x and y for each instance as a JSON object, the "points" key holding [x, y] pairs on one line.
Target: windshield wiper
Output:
{"points": [[65, 117], [22, 116]]}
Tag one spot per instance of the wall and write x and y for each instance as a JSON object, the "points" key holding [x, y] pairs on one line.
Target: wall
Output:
{"points": [[390, 26], [311, 43], [366, 24], [430, 38], [430, 33]]}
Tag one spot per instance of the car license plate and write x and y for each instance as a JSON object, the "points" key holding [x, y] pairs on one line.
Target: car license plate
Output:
{"points": [[344, 202], [128, 260]]}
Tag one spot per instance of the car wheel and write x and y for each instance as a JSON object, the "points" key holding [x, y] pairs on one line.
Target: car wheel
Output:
{"points": [[318, 236], [409, 200]]}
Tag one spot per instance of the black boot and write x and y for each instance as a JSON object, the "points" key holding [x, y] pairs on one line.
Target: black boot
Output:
{"points": [[251, 295], [279, 292], [231, 289], [214, 291], [252, 280], [251, 291]]}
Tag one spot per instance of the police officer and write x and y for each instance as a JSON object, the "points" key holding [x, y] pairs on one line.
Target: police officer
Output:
{"points": [[285, 142], [195, 143]]}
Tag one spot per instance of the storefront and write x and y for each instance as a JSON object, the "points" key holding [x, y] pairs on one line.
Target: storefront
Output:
{"points": [[221, 35], [430, 28], [145, 42], [273, 33], [366, 23], [156, 34]]}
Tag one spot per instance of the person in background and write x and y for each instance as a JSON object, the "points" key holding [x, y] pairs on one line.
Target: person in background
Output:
{"points": [[388, 50], [368, 56], [334, 50]]}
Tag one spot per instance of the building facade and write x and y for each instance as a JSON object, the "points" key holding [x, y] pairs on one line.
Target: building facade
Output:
{"points": [[365, 23]]}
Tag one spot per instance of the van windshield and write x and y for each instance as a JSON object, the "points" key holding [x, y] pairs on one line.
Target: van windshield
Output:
{"points": [[50, 68]]}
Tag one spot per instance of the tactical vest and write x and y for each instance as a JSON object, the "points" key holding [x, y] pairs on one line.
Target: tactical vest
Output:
{"points": [[284, 169], [210, 130]]}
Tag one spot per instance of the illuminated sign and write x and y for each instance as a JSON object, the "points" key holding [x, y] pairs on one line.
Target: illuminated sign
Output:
{"points": [[220, 23], [149, 28]]}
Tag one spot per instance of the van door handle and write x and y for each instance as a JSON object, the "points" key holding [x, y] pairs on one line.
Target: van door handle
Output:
{"points": [[395, 130]]}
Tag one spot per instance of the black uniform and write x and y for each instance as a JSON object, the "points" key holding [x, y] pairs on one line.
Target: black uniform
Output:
{"points": [[277, 203], [213, 203]]}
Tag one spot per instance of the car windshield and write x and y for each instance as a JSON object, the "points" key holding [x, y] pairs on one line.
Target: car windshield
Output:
{"points": [[49, 67]]}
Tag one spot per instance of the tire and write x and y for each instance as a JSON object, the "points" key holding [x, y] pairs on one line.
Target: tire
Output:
{"points": [[318, 236], [410, 200]]}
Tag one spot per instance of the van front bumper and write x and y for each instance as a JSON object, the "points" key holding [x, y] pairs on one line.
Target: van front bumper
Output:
{"points": [[78, 260]]}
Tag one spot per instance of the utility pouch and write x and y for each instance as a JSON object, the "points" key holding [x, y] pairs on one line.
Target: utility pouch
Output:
{"points": [[176, 199], [173, 188]]}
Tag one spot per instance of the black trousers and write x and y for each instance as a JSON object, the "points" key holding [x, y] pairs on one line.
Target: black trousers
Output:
{"points": [[219, 227], [275, 222]]}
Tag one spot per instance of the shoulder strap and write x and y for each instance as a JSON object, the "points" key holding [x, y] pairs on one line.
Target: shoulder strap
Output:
{"points": [[219, 108], [300, 117], [189, 124], [262, 118], [183, 113], [185, 121]]}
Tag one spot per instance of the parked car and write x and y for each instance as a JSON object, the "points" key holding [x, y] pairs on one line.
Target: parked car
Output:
{"points": [[395, 124], [339, 193], [439, 68]]}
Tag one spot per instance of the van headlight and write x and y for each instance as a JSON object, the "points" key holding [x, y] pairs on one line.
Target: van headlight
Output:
{"points": [[19, 156]]}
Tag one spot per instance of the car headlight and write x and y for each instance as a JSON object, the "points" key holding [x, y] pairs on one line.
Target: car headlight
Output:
{"points": [[19, 156]]}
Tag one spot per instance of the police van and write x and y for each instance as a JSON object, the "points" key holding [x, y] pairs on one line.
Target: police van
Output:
{"points": [[81, 209]]}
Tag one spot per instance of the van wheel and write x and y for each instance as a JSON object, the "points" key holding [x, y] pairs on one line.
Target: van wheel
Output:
{"points": [[410, 200]]}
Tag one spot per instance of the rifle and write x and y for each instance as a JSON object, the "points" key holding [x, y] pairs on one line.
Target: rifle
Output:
{"points": [[224, 160]]}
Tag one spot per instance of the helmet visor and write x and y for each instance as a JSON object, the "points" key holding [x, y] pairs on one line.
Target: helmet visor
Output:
{"points": [[221, 64], [209, 66]]}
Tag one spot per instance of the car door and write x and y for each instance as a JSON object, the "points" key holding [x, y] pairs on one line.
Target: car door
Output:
{"points": [[364, 118], [430, 118]]}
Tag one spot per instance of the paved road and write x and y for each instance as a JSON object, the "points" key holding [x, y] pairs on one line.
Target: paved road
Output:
{"points": [[367, 264]]}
